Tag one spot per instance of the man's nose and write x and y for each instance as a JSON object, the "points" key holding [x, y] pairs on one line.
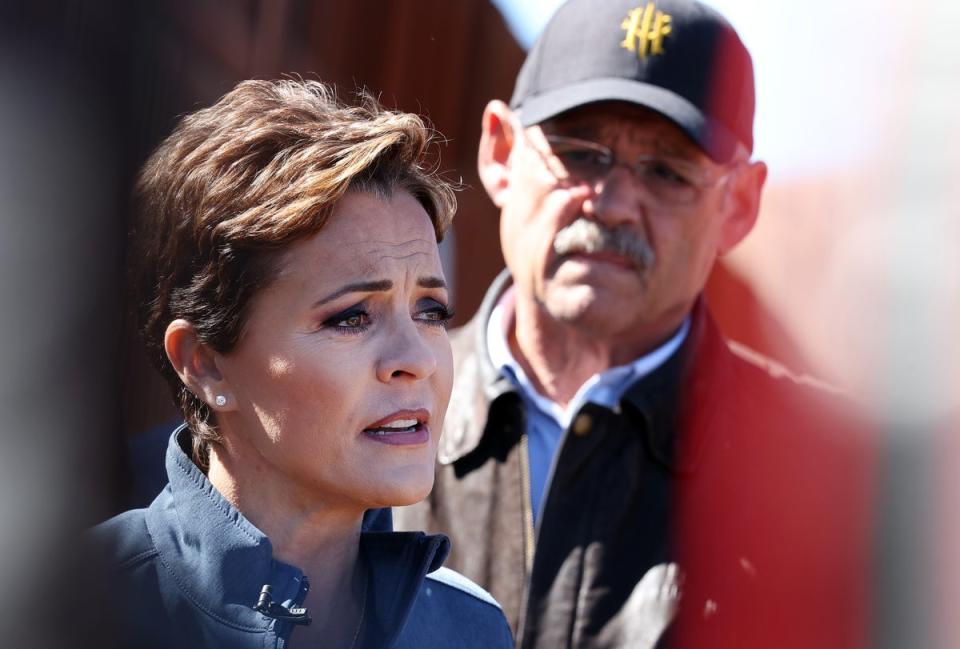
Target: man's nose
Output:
{"points": [[617, 198], [407, 355]]}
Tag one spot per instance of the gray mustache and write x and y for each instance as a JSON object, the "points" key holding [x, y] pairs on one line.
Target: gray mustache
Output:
{"points": [[584, 235]]}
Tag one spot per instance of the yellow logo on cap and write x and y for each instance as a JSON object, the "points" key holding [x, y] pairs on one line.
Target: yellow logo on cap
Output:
{"points": [[646, 28]]}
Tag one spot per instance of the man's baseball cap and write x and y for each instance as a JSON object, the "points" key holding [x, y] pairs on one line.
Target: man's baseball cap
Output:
{"points": [[676, 57]]}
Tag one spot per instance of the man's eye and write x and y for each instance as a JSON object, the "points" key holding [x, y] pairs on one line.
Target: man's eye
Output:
{"points": [[664, 172], [583, 158]]}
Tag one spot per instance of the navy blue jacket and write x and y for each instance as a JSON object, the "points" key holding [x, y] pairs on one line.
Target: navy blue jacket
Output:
{"points": [[189, 569]]}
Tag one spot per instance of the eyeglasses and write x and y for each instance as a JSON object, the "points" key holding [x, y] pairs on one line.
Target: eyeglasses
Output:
{"points": [[671, 180]]}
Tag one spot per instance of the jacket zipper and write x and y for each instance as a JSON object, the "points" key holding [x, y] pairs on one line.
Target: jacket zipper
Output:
{"points": [[528, 532]]}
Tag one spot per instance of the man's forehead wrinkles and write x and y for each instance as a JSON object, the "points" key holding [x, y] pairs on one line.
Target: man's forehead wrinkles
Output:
{"points": [[644, 132], [641, 129], [650, 134]]}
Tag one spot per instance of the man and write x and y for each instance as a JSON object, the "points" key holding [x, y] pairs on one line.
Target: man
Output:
{"points": [[606, 455]]}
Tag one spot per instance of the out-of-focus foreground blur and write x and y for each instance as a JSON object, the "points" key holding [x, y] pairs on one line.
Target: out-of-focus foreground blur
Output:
{"points": [[851, 273]]}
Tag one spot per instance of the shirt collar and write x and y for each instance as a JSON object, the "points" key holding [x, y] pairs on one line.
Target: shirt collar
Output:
{"points": [[700, 370], [604, 389]]}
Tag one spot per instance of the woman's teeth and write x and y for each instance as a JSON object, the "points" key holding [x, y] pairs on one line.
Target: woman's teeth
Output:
{"points": [[398, 426]]}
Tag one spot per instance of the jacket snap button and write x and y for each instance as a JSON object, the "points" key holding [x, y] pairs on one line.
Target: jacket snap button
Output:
{"points": [[582, 425]]}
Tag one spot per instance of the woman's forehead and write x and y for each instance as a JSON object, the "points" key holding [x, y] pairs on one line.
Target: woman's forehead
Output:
{"points": [[366, 233], [366, 221]]}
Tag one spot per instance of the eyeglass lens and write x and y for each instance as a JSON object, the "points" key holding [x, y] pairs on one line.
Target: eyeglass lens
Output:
{"points": [[668, 180]]}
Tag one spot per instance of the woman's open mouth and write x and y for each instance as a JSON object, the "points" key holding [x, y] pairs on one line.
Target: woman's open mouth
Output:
{"points": [[404, 428]]}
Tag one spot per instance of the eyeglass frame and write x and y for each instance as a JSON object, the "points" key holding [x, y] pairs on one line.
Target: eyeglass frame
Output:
{"points": [[609, 161]]}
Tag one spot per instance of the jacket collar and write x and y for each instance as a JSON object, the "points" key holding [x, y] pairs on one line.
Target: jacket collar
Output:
{"points": [[478, 386], [220, 561], [399, 562], [688, 379], [494, 381]]}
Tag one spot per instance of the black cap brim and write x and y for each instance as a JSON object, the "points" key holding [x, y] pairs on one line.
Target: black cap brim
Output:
{"points": [[714, 138]]}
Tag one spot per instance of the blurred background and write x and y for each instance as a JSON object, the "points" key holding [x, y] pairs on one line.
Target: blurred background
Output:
{"points": [[851, 274]]}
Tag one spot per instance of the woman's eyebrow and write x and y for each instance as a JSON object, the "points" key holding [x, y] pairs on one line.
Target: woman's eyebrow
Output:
{"points": [[431, 281], [375, 286], [378, 286]]}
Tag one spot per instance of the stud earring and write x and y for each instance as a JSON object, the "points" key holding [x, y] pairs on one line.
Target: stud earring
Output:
{"points": [[220, 400]]}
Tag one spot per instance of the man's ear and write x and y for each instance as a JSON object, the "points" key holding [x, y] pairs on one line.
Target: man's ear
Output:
{"points": [[743, 205], [196, 365], [496, 143]]}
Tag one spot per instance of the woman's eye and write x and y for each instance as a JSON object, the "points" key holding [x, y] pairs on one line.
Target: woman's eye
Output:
{"points": [[350, 321], [437, 314]]}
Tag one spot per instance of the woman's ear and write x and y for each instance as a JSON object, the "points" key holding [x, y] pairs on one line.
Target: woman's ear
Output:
{"points": [[196, 365], [493, 155], [744, 205]]}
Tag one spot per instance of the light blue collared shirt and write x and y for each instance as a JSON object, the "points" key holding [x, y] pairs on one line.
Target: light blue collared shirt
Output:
{"points": [[547, 420]]}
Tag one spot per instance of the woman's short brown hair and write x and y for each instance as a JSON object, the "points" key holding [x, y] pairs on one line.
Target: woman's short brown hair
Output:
{"points": [[236, 183]]}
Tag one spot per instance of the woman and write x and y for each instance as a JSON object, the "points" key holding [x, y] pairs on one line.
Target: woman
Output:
{"points": [[291, 292]]}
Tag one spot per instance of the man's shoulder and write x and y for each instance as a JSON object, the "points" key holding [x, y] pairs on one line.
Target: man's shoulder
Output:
{"points": [[738, 387], [759, 367], [767, 391]]}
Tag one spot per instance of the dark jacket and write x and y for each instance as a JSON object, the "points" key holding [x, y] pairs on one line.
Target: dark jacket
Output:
{"points": [[188, 571], [718, 462]]}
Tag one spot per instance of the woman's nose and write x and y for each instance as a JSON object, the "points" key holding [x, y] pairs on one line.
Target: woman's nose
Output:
{"points": [[407, 354]]}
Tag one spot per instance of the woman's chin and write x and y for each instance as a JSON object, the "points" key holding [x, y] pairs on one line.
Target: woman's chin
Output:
{"points": [[412, 486]]}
